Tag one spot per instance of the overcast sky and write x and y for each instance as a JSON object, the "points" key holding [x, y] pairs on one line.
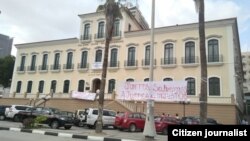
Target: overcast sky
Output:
{"points": [[40, 20]]}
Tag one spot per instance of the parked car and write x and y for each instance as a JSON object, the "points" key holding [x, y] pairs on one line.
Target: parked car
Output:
{"points": [[80, 117], [195, 120], [55, 117], [161, 124], [2, 111], [131, 121], [92, 114], [13, 110]]}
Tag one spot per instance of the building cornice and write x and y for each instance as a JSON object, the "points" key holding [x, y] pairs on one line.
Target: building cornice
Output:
{"points": [[184, 27], [48, 43]]}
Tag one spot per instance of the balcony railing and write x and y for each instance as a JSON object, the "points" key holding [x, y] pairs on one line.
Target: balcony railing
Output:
{"points": [[86, 37], [21, 69], [100, 36], [146, 62], [130, 64], [83, 66], [68, 66], [168, 62], [113, 64], [43, 68], [31, 68], [117, 34], [55, 67]]}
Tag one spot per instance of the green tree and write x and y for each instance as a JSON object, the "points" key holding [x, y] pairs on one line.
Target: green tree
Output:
{"points": [[203, 59], [6, 70], [111, 11]]}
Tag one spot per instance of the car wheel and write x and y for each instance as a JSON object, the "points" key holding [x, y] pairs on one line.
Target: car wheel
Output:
{"points": [[165, 131], [16, 118], [67, 127], [132, 127], [55, 124], [2, 117]]}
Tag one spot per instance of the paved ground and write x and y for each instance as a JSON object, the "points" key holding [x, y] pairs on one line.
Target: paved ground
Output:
{"points": [[84, 131]]}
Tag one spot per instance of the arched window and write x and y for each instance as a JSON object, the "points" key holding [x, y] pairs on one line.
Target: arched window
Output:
{"points": [[130, 80], [214, 86], [113, 58], [86, 34], [18, 87], [131, 56], [84, 59], [189, 52], [41, 86], [66, 86], [116, 31], [56, 61], [100, 33], [44, 62], [98, 56], [33, 63], [81, 84], [213, 50], [146, 79], [168, 54], [167, 79], [190, 86], [29, 87], [53, 86], [147, 55], [69, 60], [22, 65], [111, 86]]}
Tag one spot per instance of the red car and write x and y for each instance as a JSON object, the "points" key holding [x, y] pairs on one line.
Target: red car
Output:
{"points": [[131, 121], [161, 124]]}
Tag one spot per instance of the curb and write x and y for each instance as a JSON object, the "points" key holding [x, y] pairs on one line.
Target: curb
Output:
{"points": [[68, 135]]}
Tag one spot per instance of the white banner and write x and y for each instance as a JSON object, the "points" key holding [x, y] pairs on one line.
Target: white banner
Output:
{"points": [[97, 65], [83, 95], [158, 91]]}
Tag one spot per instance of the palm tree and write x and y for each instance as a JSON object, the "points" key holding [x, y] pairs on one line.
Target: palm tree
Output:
{"points": [[203, 90], [112, 11]]}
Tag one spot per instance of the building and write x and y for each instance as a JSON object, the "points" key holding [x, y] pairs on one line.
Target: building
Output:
{"points": [[5, 45], [60, 66]]}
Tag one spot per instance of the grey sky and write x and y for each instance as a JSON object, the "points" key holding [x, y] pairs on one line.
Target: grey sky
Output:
{"points": [[39, 20]]}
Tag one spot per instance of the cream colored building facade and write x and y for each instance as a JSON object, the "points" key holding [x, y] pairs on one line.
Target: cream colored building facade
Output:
{"points": [[75, 64]]}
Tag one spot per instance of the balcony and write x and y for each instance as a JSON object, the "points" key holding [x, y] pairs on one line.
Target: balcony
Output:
{"points": [[146, 63], [190, 61], [168, 62], [214, 60], [21, 69], [113, 65], [116, 35], [43, 68], [86, 38], [55, 68], [130, 64], [68, 67], [31, 69], [82, 67], [100, 36]]}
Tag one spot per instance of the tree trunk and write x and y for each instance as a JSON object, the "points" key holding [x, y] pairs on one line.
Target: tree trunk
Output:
{"points": [[203, 61]]}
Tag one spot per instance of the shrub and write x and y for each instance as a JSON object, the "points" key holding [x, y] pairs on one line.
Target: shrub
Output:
{"points": [[33, 122]]}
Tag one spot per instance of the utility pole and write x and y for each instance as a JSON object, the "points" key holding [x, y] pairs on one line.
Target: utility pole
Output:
{"points": [[149, 129]]}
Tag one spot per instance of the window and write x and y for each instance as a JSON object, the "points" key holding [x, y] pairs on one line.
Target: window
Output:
{"points": [[214, 86], [53, 86], [40, 86], [167, 79], [116, 28], [18, 87], [111, 86], [86, 35], [146, 79], [147, 55], [22, 63], [98, 56], [100, 30], [66, 86], [56, 61], [190, 86], [69, 60], [113, 58], [33, 63], [81, 85], [84, 59], [131, 56], [130, 80], [213, 50], [168, 54], [29, 86], [44, 63], [189, 52]]}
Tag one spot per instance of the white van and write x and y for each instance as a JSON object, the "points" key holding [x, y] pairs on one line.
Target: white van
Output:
{"points": [[92, 115], [13, 110]]}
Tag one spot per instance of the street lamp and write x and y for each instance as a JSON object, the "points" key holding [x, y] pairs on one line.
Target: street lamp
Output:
{"points": [[184, 103]]}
